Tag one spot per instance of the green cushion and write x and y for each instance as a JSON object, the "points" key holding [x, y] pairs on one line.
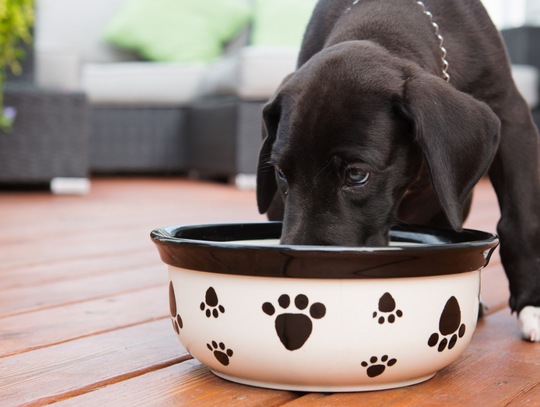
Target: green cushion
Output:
{"points": [[280, 22], [177, 30]]}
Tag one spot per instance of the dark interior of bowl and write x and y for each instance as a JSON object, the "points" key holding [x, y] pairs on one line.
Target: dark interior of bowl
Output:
{"points": [[206, 248]]}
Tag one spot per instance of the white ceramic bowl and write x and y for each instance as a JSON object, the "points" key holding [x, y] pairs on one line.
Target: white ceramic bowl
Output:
{"points": [[317, 318]]}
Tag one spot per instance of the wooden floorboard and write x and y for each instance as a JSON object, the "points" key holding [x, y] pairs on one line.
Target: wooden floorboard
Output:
{"points": [[39, 273], [57, 372], [60, 293], [50, 326], [185, 384], [83, 308]]}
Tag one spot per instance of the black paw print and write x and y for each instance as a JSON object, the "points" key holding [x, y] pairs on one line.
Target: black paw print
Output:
{"points": [[378, 369], [222, 354], [449, 324], [387, 305], [294, 329], [211, 301], [175, 317]]}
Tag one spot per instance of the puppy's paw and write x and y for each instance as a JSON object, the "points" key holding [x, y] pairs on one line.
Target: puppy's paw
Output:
{"points": [[529, 323]]}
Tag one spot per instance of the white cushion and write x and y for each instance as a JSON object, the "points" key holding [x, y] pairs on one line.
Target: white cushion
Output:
{"points": [[251, 73], [526, 79], [141, 82]]}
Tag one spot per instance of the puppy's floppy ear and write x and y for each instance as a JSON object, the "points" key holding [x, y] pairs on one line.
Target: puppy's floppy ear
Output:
{"points": [[266, 176], [458, 135]]}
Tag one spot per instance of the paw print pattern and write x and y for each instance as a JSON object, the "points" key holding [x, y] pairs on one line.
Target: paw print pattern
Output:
{"points": [[449, 324], [387, 304], [175, 317], [376, 369], [221, 353], [294, 329], [211, 304]]}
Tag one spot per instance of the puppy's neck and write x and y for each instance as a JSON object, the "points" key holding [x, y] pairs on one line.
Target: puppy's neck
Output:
{"points": [[415, 35]]}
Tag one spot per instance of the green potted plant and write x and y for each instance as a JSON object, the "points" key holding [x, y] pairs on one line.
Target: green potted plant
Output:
{"points": [[16, 22]]}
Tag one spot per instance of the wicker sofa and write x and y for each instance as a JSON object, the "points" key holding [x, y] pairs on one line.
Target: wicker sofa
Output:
{"points": [[137, 108], [158, 117]]}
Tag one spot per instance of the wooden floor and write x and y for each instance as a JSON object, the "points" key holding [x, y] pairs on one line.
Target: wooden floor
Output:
{"points": [[84, 312]]}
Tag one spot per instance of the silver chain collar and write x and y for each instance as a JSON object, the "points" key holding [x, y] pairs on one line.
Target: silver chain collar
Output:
{"points": [[445, 74]]}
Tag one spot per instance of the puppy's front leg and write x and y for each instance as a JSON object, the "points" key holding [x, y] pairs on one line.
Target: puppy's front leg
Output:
{"points": [[515, 175]]}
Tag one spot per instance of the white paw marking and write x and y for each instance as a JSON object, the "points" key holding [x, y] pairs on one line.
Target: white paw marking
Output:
{"points": [[529, 323]]}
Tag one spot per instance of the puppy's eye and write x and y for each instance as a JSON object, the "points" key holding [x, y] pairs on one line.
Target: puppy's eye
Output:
{"points": [[356, 176], [280, 174]]}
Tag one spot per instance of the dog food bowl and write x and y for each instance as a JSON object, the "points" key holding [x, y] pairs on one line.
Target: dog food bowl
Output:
{"points": [[323, 318]]}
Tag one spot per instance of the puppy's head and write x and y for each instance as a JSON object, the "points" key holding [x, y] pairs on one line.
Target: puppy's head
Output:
{"points": [[346, 135]]}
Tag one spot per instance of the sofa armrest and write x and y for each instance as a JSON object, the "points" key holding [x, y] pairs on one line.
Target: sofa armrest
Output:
{"points": [[58, 70]]}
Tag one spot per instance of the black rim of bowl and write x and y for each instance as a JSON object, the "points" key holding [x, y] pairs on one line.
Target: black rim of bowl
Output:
{"points": [[215, 248]]}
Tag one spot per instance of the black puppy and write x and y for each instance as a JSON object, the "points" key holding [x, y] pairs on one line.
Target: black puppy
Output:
{"points": [[396, 110]]}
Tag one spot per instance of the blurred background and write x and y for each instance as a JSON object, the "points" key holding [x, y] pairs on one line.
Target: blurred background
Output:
{"points": [[165, 87]]}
